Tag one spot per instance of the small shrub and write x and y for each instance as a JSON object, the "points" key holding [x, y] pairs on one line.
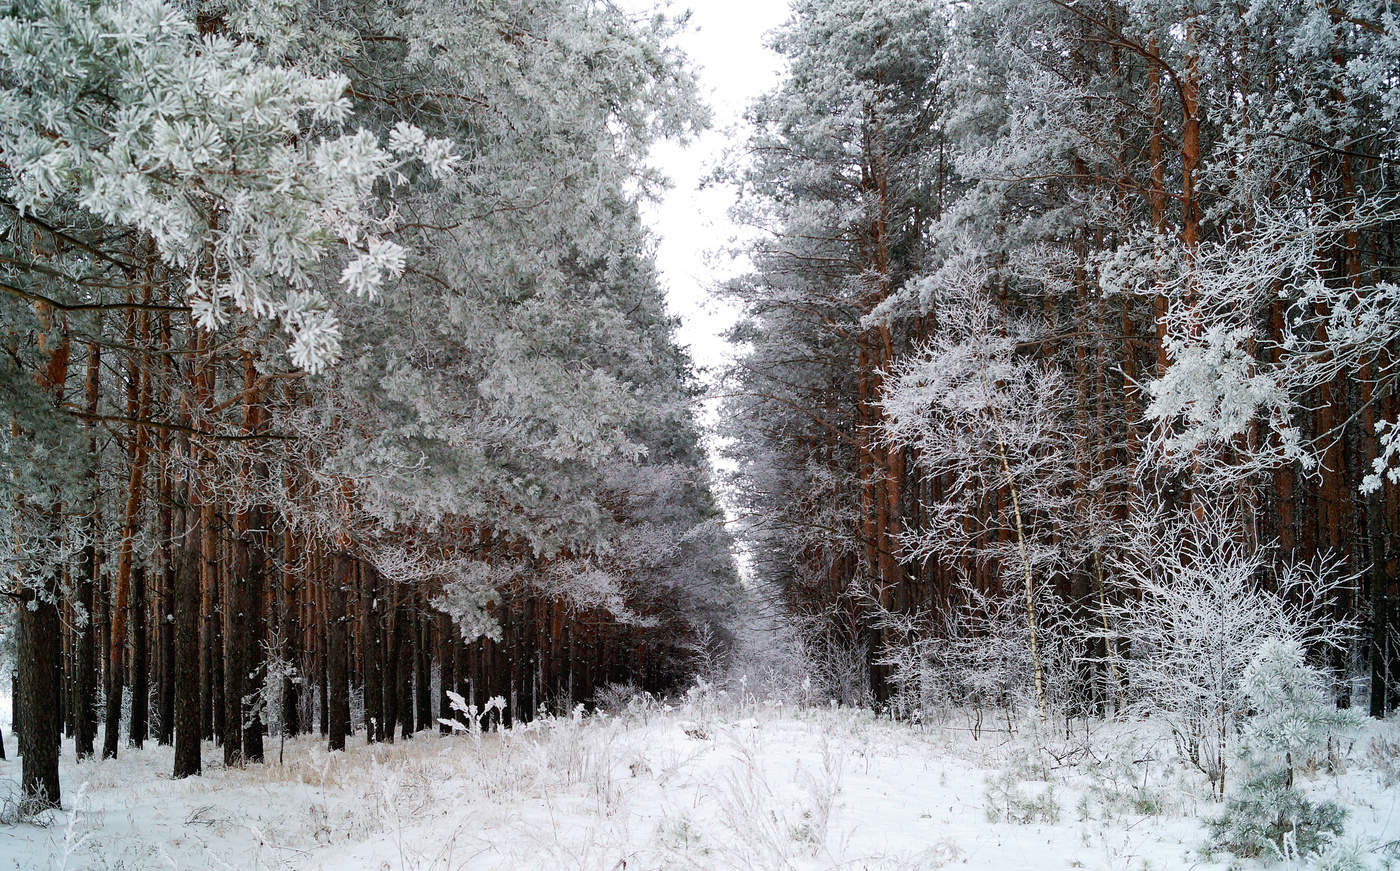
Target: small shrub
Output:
{"points": [[1027, 761], [1118, 787], [16, 807], [1383, 754], [1269, 817], [1294, 720], [615, 697], [1007, 801], [1343, 855]]}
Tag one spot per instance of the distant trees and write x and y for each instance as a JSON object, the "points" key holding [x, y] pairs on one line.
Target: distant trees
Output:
{"points": [[298, 367], [842, 178], [1177, 225]]}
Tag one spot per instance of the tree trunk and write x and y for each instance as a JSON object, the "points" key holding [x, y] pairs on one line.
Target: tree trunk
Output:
{"points": [[291, 638], [255, 629], [404, 636], [447, 656], [188, 708], [371, 632], [390, 672], [208, 578], [85, 665], [138, 408], [166, 669], [140, 687], [235, 643], [338, 716], [37, 713], [38, 694], [422, 670]]}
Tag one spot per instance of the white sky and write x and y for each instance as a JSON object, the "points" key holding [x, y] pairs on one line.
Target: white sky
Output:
{"points": [[725, 42]]}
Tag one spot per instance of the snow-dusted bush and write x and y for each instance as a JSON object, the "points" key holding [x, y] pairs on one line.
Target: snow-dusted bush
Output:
{"points": [[614, 698], [1343, 854], [976, 657], [1383, 754], [1127, 779], [1270, 817], [1007, 799], [16, 807], [1194, 597], [836, 657], [1293, 720]]}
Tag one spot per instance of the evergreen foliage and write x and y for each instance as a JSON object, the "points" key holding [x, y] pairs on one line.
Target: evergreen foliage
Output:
{"points": [[336, 358], [1293, 721]]}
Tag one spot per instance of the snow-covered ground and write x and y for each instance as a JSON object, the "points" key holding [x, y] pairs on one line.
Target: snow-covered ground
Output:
{"points": [[708, 783]]}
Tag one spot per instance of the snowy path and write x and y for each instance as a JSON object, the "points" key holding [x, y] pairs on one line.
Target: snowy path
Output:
{"points": [[703, 786]]}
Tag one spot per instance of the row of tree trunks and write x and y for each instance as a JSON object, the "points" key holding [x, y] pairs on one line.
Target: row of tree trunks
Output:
{"points": [[1159, 146], [165, 627], [356, 635]]}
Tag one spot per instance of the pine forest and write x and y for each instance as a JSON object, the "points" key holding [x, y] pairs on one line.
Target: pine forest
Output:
{"points": [[792, 434]]}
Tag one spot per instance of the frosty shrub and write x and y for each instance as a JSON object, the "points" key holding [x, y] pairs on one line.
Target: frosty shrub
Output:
{"points": [[918, 656], [16, 807], [976, 657], [1294, 720], [615, 697], [1118, 787], [1270, 817], [1008, 800], [1195, 597], [1343, 855], [1383, 754], [838, 661], [709, 654]]}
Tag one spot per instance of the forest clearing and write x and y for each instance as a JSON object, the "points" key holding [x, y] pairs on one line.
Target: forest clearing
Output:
{"points": [[716, 780]]}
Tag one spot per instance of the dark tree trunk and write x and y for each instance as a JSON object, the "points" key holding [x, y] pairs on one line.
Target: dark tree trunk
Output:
{"points": [[85, 661], [85, 664], [187, 716], [291, 639], [165, 601], [208, 581], [338, 716], [235, 643], [138, 406], [322, 673], [390, 673], [111, 731], [166, 670], [422, 672], [140, 687], [36, 712], [447, 656], [371, 609], [255, 629], [405, 635], [1382, 658]]}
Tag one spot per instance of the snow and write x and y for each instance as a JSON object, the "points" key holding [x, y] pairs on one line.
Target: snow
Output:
{"points": [[710, 782]]}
